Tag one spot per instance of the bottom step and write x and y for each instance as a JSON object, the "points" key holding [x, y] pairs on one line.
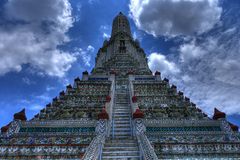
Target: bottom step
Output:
{"points": [[121, 158]]}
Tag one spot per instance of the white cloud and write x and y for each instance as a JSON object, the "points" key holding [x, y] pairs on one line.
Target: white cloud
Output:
{"points": [[158, 62], [92, 1], [44, 97], [27, 81], [40, 27], [90, 48], [211, 71], [35, 107], [106, 36], [209, 65], [105, 31], [210, 81], [175, 17], [193, 50], [85, 54], [50, 88]]}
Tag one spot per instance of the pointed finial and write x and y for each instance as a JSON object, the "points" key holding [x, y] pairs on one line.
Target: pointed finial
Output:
{"points": [[218, 114], [20, 115]]}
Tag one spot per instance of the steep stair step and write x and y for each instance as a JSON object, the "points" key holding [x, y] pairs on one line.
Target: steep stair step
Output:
{"points": [[119, 148], [120, 153], [121, 158]]}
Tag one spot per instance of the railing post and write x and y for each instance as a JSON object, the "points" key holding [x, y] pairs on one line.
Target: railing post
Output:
{"points": [[100, 152], [112, 129]]}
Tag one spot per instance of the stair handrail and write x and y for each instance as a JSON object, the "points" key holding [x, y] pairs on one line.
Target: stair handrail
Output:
{"points": [[109, 105], [133, 107], [131, 125], [113, 129], [94, 150], [146, 149]]}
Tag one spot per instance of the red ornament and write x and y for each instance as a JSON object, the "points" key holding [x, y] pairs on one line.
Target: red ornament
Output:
{"points": [[138, 114], [103, 114], [218, 114], [130, 72], [108, 98], [4, 129], [134, 99], [20, 115], [113, 72], [233, 127]]}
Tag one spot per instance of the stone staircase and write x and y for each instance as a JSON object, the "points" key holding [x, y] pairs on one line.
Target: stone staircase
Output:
{"points": [[122, 145]]}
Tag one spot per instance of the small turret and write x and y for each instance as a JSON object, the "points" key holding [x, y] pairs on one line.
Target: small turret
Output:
{"points": [[55, 99], [157, 73], [61, 94], [77, 79], [85, 76], [233, 127], [5, 128], [20, 115], [218, 114]]}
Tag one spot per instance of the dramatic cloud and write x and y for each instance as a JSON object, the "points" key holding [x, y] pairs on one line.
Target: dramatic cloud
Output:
{"points": [[31, 35], [158, 62], [209, 64], [192, 51], [214, 70], [210, 70], [175, 17]]}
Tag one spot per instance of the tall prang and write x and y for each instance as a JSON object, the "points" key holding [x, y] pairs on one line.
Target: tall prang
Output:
{"points": [[121, 53], [120, 111]]}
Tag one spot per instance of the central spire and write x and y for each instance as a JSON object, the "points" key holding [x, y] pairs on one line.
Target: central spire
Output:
{"points": [[121, 54], [121, 25]]}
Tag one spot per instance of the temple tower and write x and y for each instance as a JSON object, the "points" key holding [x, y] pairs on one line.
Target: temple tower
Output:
{"points": [[121, 25], [121, 53], [120, 111]]}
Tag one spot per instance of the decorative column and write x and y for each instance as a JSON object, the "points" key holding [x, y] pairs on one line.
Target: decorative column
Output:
{"points": [[85, 76], [158, 75]]}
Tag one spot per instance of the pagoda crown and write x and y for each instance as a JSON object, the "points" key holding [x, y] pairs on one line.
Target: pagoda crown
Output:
{"points": [[121, 53], [121, 25]]}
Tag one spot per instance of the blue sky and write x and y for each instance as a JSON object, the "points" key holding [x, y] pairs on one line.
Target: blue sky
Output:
{"points": [[45, 44]]}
